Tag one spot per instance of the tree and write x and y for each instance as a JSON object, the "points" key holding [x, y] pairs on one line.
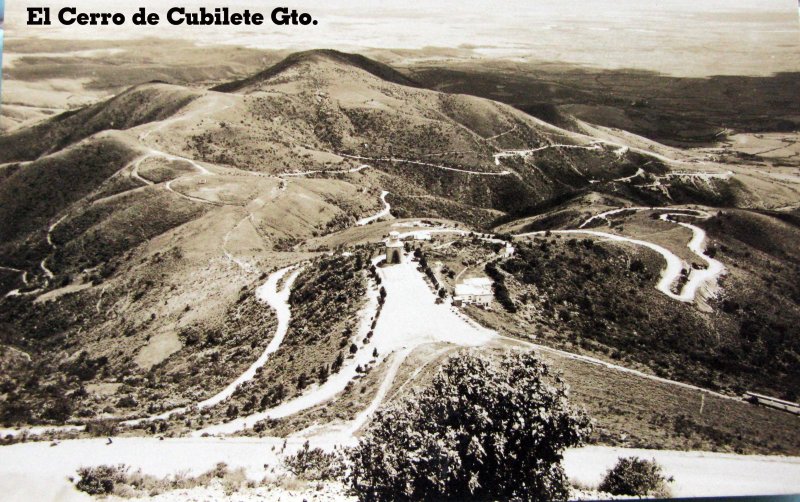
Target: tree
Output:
{"points": [[375, 352], [486, 429], [302, 381], [322, 374], [337, 363], [353, 348], [232, 411]]}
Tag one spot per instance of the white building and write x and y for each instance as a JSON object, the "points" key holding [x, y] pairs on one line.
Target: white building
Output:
{"points": [[394, 248], [477, 290]]}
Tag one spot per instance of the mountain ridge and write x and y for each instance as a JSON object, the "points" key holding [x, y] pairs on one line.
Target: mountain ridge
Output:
{"points": [[380, 70]]}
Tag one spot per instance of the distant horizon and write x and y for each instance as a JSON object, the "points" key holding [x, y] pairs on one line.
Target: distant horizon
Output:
{"points": [[677, 37]]}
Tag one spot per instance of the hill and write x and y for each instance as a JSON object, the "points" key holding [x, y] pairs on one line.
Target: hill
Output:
{"points": [[138, 105], [380, 70], [146, 262], [32, 194]]}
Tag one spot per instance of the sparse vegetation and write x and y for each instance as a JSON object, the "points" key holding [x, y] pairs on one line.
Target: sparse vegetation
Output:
{"points": [[592, 299], [154, 301], [119, 480], [314, 464]]}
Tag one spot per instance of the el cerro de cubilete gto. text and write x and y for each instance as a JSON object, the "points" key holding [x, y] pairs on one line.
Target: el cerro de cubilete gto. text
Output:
{"points": [[220, 16]]}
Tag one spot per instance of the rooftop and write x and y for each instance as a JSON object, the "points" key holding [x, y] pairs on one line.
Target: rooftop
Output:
{"points": [[474, 286]]}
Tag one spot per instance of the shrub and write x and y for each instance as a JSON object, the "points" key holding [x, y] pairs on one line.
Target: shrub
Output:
{"points": [[314, 465], [119, 481], [105, 427], [485, 429], [101, 480], [636, 476], [60, 410]]}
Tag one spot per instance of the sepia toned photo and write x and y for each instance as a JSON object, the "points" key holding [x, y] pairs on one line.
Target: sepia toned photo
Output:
{"points": [[374, 251]]}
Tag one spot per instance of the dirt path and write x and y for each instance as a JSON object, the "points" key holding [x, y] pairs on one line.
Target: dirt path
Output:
{"points": [[426, 164], [267, 293], [705, 279], [317, 394], [386, 211], [278, 300], [244, 265], [322, 171], [410, 317], [38, 471], [509, 131], [628, 179], [135, 170], [605, 364], [202, 170], [524, 153], [43, 264], [23, 273]]}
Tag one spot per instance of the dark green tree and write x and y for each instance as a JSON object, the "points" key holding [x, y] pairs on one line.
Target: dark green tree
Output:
{"points": [[485, 429]]}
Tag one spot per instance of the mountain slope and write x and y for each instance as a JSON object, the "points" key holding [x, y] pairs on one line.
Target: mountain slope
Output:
{"points": [[144, 246], [33, 193], [138, 105]]}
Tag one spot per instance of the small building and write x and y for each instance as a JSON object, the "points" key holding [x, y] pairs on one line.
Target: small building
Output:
{"points": [[394, 248], [476, 290]]}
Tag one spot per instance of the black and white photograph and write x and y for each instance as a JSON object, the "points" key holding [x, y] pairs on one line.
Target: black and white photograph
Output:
{"points": [[341, 250]]}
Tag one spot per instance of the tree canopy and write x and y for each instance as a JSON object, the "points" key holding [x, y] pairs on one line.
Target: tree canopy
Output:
{"points": [[485, 429]]}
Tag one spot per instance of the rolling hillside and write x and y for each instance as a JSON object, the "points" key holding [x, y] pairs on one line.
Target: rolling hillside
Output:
{"points": [[153, 245]]}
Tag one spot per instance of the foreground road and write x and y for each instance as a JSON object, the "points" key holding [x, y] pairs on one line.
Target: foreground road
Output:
{"points": [[38, 471]]}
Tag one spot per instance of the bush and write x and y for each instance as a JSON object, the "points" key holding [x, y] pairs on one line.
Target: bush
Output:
{"points": [[314, 465], [105, 427], [101, 480], [485, 429], [636, 476], [119, 481]]}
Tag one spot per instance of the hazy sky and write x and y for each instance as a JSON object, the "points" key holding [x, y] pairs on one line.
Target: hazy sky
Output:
{"points": [[711, 36]]}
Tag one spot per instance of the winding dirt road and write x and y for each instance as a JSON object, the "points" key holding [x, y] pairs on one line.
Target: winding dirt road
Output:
{"points": [[699, 279], [426, 164], [278, 300], [386, 211]]}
